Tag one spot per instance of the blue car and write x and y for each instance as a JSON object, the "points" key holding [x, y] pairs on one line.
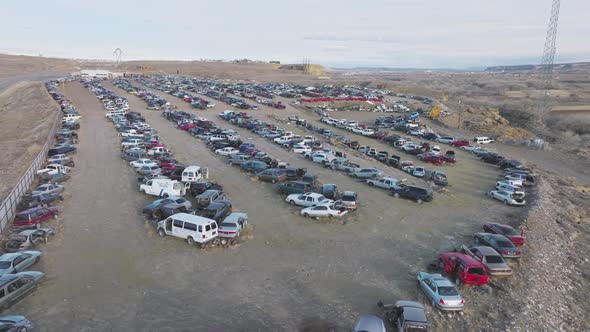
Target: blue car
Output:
{"points": [[253, 166], [412, 116], [441, 292]]}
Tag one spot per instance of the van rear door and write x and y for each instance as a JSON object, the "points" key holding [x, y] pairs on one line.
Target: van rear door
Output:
{"points": [[210, 231]]}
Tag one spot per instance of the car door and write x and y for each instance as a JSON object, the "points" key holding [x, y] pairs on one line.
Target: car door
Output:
{"points": [[18, 289], [320, 211], [309, 201], [427, 287], [18, 264], [177, 228]]}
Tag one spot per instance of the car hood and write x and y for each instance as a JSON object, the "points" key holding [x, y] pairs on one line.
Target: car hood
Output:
{"points": [[33, 274]]}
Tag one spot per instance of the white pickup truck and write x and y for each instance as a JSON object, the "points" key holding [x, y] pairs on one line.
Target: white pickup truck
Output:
{"points": [[164, 187], [54, 169]]}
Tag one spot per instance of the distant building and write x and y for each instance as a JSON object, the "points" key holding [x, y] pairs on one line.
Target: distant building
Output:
{"points": [[96, 73], [275, 62]]}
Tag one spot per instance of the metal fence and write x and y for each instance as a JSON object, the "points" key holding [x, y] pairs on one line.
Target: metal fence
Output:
{"points": [[8, 206]]}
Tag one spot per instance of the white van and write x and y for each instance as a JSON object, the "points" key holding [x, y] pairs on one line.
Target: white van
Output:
{"points": [[164, 187], [110, 114], [482, 140], [194, 174], [189, 227]]}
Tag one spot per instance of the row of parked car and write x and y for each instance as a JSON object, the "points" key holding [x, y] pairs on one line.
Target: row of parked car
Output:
{"points": [[302, 186], [21, 249], [187, 207], [471, 265]]}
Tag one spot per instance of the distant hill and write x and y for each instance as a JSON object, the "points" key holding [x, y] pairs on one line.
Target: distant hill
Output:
{"points": [[560, 67], [510, 68]]}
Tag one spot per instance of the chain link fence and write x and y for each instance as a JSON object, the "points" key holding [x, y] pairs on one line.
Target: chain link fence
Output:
{"points": [[9, 204]]}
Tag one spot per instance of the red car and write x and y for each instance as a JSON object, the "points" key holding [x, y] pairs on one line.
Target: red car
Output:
{"points": [[34, 216], [155, 144], [466, 269], [459, 143], [187, 126], [378, 135], [516, 237], [433, 158], [167, 167], [450, 157], [188, 99]]}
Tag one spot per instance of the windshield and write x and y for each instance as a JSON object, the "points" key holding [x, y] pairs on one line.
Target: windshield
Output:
{"points": [[348, 198], [476, 270], [228, 224], [510, 231], [494, 259], [4, 265], [22, 217], [505, 244], [448, 291]]}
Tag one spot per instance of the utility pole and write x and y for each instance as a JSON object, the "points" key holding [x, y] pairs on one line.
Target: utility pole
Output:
{"points": [[547, 61]]}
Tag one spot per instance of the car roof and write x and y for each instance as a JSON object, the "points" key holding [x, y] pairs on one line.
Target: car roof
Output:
{"points": [[442, 281], [316, 195], [234, 216], [485, 250], [470, 261], [9, 256], [413, 311], [7, 278]]}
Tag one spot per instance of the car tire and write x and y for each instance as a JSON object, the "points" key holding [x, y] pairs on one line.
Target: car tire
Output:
{"points": [[505, 202], [292, 202], [396, 195], [190, 241], [305, 215], [161, 232], [371, 184], [165, 195]]}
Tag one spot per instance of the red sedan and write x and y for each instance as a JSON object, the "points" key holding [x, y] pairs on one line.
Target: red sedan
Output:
{"points": [[516, 237], [433, 158], [466, 269], [460, 143], [187, 126]]}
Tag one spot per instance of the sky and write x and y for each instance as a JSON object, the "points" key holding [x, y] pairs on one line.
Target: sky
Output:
{"points": [[334, 33]]}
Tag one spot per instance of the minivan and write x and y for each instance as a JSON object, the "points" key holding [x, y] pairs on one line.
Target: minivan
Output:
{"points": [[189, 227]]}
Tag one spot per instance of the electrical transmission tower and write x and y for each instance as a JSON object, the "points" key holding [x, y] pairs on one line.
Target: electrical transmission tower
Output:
{"points": [[548, 58], [118, 54]]}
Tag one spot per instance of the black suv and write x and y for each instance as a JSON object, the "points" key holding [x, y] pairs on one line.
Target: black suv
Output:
{"points": [[420, 194], [217, 210]]}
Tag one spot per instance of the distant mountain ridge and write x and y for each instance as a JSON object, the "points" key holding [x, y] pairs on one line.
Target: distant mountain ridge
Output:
{"points": [[557, 67]]}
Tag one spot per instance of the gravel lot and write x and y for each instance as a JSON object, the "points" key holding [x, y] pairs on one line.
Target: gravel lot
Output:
{"points": [[107, 269]]}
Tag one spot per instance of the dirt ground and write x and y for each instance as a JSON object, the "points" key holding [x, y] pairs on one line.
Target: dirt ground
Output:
{"points": [[109, 270], [26, 115]]}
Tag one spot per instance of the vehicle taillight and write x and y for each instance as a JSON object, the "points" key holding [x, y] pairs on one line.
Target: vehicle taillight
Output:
{"points": [[441, 301], [517, 253], [203, 236], [462, 301], [504, 252]]}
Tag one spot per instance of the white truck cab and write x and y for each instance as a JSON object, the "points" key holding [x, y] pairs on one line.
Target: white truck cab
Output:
{"points": [[164, 187], [195, 174], [54, 169]]}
